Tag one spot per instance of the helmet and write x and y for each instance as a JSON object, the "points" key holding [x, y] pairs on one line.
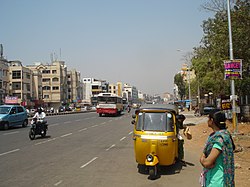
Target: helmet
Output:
{"points": [[39, 110]]}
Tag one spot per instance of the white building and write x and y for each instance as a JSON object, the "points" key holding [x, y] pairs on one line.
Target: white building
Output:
{"points": [[92, 87], [130, 93]]}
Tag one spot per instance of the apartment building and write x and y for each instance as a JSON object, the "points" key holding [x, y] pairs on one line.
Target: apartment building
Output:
{"points": [[130, 93], [54, 83], [4, 79], [74, 86], [188, 74], [116, 88], [92, 87], [20, 82]]}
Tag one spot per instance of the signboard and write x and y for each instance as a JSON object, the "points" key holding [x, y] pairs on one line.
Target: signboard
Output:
{"points": [[226, 103], [233, 69], [11, 100]]}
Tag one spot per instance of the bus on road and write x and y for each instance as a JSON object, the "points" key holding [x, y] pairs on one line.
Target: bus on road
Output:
{"points": [[109, 104]]}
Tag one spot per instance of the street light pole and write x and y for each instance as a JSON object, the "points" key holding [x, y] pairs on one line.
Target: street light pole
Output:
{"points": [[231, 58], [189, 89]]}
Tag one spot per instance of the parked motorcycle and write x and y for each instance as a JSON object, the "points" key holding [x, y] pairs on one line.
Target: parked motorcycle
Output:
{"points": [[38, 127]]}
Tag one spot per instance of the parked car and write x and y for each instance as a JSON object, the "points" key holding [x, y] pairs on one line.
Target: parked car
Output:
{"points": [[207, 109], [13, 115], [61, 109], [64, 108]]}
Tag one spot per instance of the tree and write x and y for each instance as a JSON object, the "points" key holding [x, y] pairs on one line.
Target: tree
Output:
{"points": [[214, 49], [178, 80]]}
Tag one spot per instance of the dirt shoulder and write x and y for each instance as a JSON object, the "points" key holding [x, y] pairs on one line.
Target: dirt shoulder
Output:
{"points": [[200, 132]]}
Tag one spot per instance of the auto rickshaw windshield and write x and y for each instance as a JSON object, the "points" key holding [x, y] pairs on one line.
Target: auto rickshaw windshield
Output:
{"points": [[155, 121]]}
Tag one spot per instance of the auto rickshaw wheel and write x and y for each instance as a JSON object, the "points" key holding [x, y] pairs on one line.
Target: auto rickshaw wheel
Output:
{"points": [[152, 171]]}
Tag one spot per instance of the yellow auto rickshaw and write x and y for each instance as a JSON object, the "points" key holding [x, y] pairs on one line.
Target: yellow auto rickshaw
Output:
{"points": [[155, 136]]}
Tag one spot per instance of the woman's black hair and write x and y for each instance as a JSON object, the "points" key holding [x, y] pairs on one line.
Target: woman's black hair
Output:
{"points": [[219, 118]]}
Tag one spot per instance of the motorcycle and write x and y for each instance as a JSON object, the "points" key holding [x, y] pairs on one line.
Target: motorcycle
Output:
{"points": [[38, 127]]}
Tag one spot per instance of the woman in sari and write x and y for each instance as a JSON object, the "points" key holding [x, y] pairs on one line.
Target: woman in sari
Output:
{"points": [[217, 157]]}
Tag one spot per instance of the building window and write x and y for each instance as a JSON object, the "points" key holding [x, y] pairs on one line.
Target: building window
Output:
{"points": [[1, 84], [46, 88], [46, 80], [28, 87], [27, 75], [46, 96], [54, 72], [55, 88], [55, 79], [16, 74], [16, 86], [46, 71], [28, 96]]}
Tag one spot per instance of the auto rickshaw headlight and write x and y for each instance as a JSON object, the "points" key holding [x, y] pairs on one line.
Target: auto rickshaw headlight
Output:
{"points": [[150, 158]]}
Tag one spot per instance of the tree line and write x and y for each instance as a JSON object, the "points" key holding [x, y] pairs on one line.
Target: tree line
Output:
{"points": [[208, 58]]}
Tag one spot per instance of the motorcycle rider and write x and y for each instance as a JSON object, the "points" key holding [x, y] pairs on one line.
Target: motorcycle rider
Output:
{"points": [[39, 116]]}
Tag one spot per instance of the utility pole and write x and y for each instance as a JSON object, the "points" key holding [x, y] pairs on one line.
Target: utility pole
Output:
{"points": [[233, 96]]}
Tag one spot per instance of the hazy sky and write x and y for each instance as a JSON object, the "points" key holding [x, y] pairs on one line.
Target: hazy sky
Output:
{"points": [[133, 41]]}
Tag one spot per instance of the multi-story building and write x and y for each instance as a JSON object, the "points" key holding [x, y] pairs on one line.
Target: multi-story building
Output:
{"points": [[188, 74], [113, 89], [54, 82], [20, 82], [116, 88], [92, 87], [130, 93], [74, 86], [4, 78]]}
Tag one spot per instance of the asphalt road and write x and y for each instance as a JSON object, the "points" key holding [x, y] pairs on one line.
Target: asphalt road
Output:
{"points": [[84, 150]]}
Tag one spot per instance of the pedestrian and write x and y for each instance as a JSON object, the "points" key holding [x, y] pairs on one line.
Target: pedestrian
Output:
{"points": [[217, 157]]}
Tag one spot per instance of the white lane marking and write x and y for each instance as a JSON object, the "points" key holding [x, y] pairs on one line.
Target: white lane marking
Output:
{"points": [[110, 147], [82, 130], [130, 132], [94, 126], [54, 124], [122, 138], [103, 123], [67, 122], [59, 182], [45, 141], [11, 133], [66, 135], [78, 120], [92, 160], [12, 151], [110, 120]]}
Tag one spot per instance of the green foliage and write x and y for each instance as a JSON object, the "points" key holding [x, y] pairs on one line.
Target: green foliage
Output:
{"points": [[178, 80], [214, 49]]}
